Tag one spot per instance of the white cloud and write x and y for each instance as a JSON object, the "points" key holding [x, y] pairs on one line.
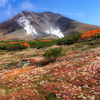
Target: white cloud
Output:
{"points": [[27, 6], [79, 14], [3, 3], [55, 11], [15, 12]]}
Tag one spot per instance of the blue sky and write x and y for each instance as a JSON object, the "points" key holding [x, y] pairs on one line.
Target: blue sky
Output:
{"points": [[85, 11]]}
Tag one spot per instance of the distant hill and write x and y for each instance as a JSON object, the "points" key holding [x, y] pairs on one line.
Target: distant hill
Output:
{"points": [[47, 25]]}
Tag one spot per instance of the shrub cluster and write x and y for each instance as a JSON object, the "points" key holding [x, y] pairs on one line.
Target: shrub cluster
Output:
{"points": [[95, 42], [52, 54], [51, 96], [41, 44], [19, 45], [13, 46], [97, 35], [89, 34], [69, 39]]}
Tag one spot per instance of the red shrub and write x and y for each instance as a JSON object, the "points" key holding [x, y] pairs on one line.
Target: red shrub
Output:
{"points": [[26, 44], [12, 42], [89, 34]]}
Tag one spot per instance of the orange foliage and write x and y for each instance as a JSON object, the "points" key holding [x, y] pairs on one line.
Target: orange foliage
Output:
{"points": [[89, 34], [12, 42], [0, 43], [25, 44], [17, 72], [45, 40]]}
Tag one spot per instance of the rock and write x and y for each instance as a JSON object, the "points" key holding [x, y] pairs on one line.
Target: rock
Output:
{"points": [[23, 63]]}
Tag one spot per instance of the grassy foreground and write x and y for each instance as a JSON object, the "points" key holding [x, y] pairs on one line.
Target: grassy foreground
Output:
{"points": [[73, 76]]}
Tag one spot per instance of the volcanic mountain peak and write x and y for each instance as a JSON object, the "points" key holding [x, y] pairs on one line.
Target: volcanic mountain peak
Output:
{"points": [[31, 25]]}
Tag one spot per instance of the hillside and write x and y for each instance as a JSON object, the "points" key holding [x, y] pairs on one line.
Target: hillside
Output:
{"points": [[75, 75], [47, 25]]}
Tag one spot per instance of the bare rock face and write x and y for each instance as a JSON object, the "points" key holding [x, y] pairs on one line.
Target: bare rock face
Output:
{"points": [[30, 25]]}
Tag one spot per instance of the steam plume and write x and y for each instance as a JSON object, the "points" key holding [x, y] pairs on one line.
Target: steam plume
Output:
{"points": [[26, 24], [55, 31]]}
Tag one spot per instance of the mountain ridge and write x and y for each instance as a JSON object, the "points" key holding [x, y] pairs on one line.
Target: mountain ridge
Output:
{"points": [[31, 25]]}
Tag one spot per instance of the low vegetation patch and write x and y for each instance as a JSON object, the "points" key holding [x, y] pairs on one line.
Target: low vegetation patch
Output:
{"points": [[90, 34], [41, 43], [12, 64], [49, 75], [52, 54], [14, 46], [51, 96], [19, 45], [69, 39]]}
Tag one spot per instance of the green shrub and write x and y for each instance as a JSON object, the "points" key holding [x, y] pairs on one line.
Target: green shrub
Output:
{"points": [[3, 47], [16, 46], [2, 52], [69, 39], [97, 35], [32, 44], [51, 96], [13, 47], [52, 54], [41, 44]]}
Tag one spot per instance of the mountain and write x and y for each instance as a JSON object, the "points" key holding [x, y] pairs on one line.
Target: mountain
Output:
{"points": [[47, 25]]}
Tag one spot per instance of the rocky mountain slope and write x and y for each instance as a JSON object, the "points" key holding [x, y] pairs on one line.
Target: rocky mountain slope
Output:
{"points": [[47, 25]]}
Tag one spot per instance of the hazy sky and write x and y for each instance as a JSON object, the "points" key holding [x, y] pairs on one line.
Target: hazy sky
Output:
{"points": [[86, 11]]}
